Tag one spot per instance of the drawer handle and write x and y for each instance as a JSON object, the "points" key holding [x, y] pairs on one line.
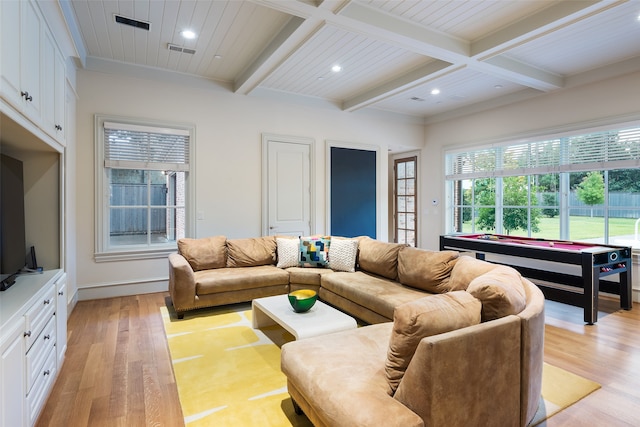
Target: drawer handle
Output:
{"points": [[61, 293], [27, 334], [47, 337], [47, 372], [47, 301]]}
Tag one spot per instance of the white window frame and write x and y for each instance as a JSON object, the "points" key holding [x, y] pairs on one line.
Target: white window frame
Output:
{"points": [[562, 165], [103, 252]]}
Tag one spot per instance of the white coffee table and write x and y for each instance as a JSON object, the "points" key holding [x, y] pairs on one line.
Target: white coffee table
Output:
{"points": [[321, 319]]}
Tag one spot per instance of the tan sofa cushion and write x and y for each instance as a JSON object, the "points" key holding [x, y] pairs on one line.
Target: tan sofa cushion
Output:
{"points": [[465, 270], [372, 292], [205, 253], [501, 292], [221, 280], [421, 318], [379, 258], [251, 252], [426, 270]]}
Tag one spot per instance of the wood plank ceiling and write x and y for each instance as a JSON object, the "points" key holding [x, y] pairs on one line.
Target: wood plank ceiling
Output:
{"points": [[393, 54]]}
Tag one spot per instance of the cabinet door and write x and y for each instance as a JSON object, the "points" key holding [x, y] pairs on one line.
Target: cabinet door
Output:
{"points": [[31, 25], [48, 83], [61, 319], [10, 52], [12, 386], [60, 97]]}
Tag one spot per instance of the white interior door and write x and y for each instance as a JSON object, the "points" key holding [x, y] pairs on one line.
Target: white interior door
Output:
{"points": [[288, 187]]}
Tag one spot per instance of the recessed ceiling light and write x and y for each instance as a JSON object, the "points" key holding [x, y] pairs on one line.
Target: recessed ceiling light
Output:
{"points": [[188, 34], [321, 78], [336, 68], [498, 86], [217, 56], [435, 91]]}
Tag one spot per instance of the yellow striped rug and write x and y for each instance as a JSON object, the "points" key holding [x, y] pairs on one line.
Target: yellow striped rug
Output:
{"points": [[228, 374], [560, 389]]}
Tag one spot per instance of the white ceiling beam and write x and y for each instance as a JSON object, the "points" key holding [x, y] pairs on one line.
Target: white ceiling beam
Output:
{"points": [[403, 83], [551, 19], [483, 55], [400, 32], [523, 74], [281, 47]]}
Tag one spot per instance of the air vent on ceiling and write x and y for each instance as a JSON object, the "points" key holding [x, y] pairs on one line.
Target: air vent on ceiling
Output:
{"points": [[177, 48], [132, 22], [415, 98]]}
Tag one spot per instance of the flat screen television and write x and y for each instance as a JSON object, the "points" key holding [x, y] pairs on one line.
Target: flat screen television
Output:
{"points": [[13, 253]]}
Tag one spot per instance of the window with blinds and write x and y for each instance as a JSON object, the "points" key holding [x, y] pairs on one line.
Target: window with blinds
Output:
{"points": [[130, 146], [142, 192], [608, 150], [584, 186]]}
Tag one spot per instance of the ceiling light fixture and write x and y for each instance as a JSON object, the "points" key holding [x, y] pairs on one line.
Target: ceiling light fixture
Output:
{"points": [[188, 34], [498, 86], [336, 68], [435, 91]]}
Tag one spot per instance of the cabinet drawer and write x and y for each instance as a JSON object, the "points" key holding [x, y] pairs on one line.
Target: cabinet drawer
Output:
{"points": [[38, 394], [39, 351], [40, 314]]}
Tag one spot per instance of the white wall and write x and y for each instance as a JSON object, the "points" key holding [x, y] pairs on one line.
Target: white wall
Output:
{"points": [[229, 129], [607, 101]]}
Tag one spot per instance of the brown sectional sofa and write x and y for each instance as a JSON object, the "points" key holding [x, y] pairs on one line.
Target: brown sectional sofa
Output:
{"points": [[480, 363]]}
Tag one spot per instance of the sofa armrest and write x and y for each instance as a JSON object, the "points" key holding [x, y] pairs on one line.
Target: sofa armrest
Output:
{"points": [[182, 283], [471, 373]]}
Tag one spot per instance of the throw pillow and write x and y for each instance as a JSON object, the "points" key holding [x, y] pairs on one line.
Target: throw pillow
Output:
{"points": [[379, 258], [500, 291], [424, 317], [465, 270], [251, 252], [314, 251], [287, 252], [426, 270], [342, 255], [205, 253]]}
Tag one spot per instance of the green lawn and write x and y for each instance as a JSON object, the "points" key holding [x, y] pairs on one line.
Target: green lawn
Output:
{"points": [[581, 228]]}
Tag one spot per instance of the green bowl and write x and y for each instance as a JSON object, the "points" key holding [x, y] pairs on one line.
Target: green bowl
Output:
{"points": [[302, 300]]}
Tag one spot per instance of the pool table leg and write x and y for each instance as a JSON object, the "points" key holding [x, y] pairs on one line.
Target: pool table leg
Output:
{"points": [[626, 292], [591, 277]]}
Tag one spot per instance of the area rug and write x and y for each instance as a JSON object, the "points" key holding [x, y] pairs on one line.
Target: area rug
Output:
{"points": [[560, 389], [228, 374]]}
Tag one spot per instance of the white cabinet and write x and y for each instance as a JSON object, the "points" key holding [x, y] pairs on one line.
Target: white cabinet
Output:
{"points": [[21, 32], [12, 368], [61, 318], [29, 344], [53, 83], [32, 69]]}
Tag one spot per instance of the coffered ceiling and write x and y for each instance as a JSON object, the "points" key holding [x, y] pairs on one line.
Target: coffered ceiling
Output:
{"points": [[393, 54]]}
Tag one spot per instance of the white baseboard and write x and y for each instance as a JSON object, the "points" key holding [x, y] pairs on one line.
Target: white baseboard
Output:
{"points": [[110, 290]]}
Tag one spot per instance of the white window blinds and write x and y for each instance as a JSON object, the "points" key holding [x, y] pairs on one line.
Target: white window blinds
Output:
{"points": [[128, 146], [612, 149]]}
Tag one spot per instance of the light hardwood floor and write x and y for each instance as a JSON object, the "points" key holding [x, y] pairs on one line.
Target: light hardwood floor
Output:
{"points": [[118, 372]]}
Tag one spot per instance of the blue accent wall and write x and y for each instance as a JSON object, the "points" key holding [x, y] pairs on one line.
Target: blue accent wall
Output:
{"points": [[353, 192]]}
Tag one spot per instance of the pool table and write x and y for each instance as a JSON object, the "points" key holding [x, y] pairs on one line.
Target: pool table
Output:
{"points": [[596, 261]]}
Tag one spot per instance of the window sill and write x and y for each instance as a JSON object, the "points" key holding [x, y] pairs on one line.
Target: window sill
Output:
{"points": [[134, 254]]}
